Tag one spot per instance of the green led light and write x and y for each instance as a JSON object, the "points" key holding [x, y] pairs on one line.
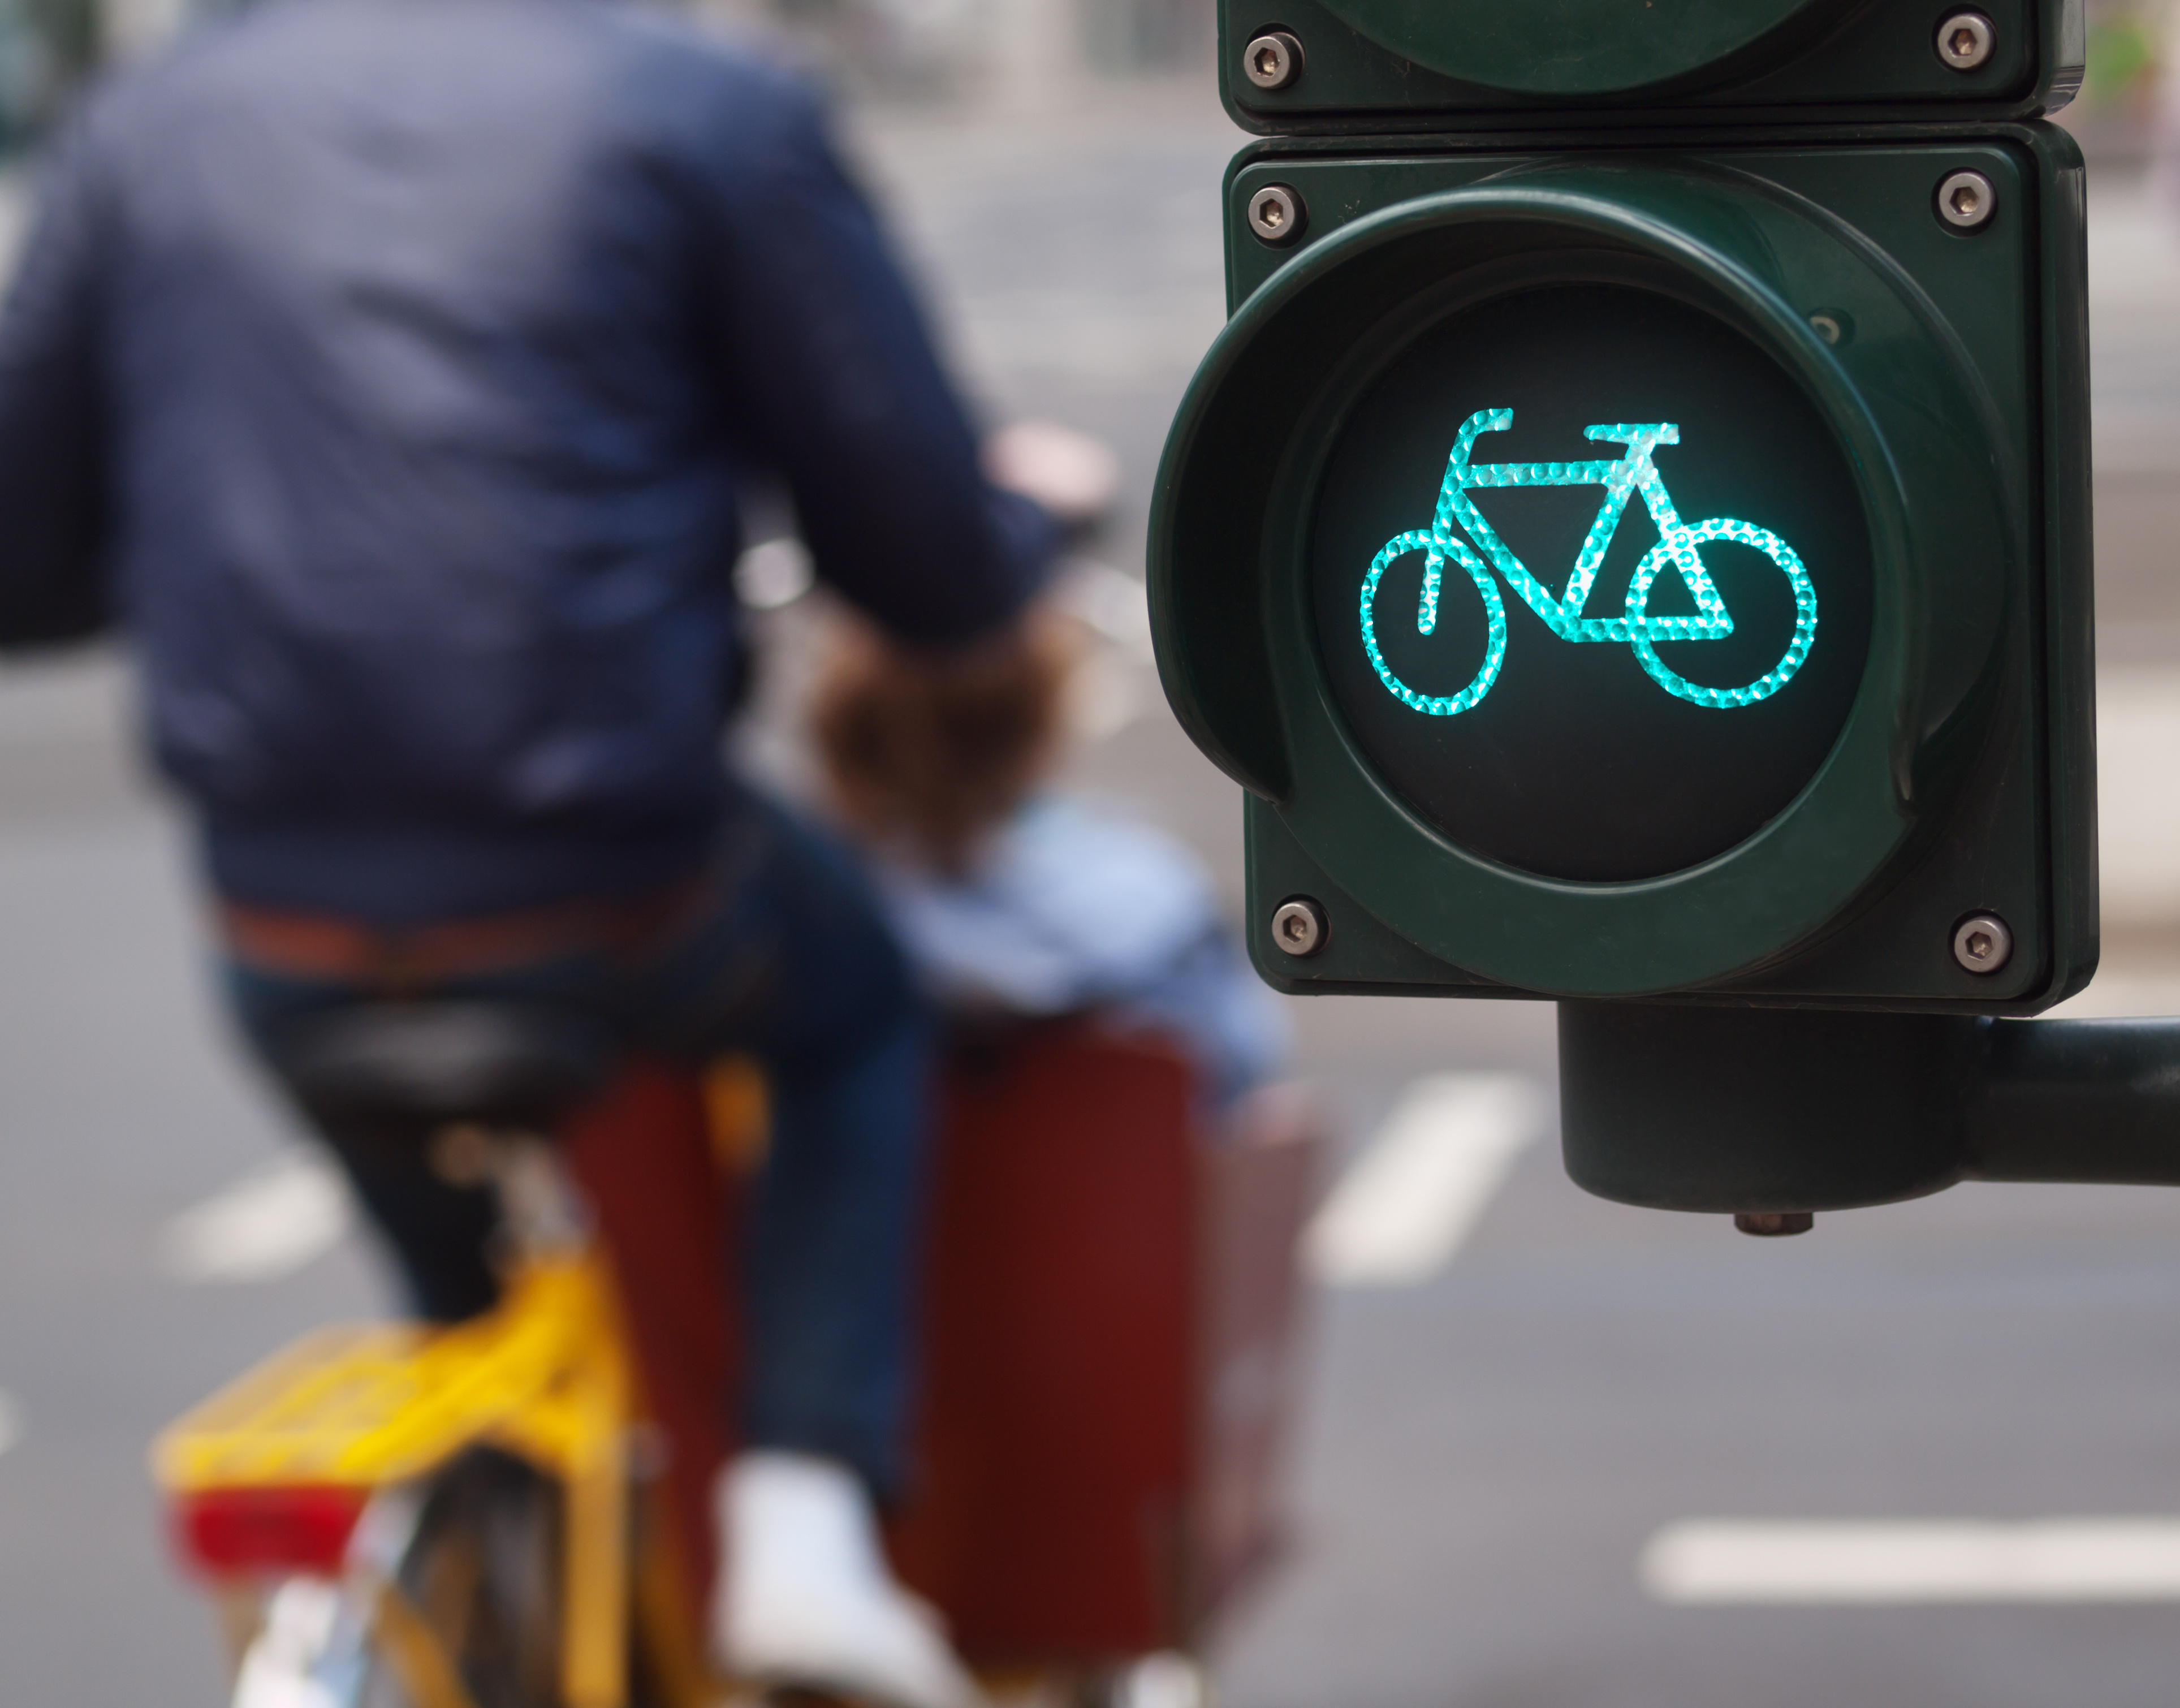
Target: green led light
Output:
{"points": [[1494, 610], [1678, 542]]}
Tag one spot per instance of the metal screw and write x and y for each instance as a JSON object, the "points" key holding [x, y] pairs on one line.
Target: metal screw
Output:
{"points": [[1272, 60], [1276, 214], [1827, 326], [1983, 943], [1965, 40], [1775, 1224], [1299, 928], [1966, 200]]}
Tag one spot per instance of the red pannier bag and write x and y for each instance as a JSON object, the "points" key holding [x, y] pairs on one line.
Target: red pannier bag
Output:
{"points": [[1110, 1339]]}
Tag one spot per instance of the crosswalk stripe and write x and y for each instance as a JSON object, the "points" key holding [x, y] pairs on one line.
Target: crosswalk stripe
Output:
{"points": [[1402, 1209], [1890, 1561], [270, 1223]]}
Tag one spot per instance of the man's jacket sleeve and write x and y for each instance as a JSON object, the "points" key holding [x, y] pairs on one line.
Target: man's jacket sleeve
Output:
{"points": [[835, 378], [52, 454]]}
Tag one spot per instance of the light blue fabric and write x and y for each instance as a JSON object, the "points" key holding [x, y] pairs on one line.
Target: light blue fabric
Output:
{"points": [[1069, 907]]}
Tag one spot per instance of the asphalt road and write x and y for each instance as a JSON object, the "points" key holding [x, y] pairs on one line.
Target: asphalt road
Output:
{"points": [[1483, 1452]]}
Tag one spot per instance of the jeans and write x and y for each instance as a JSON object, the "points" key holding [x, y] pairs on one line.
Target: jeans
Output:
{"points": [[789, 963]]}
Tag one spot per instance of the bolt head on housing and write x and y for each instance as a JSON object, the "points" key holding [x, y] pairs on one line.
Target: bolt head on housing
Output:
{"points": [[1965, 40], [1272, 60], [1276, 214], [1966, 201], [1299, 928], [1983, 943], [1775, 1224]]}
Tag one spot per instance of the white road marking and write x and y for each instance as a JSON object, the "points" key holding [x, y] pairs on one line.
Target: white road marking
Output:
{"points": [[11, 1423], [270, 1223], [1889, 1562], [1402, 1209], [2138, 804]]}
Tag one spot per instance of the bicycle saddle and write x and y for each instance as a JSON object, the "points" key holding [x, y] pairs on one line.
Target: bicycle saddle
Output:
{"points": [[411, 1068]]}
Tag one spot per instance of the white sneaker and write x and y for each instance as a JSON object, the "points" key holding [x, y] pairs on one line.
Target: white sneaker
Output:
{"points": [[805, 1596]]}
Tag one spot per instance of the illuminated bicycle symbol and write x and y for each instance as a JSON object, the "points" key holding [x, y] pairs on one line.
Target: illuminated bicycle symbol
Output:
{"points": [[1677, 544]]}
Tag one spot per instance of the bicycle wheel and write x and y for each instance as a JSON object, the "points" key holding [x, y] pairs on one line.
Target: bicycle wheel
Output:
{"points": [[1644, 627], [1440, 547], [482, 1575]]}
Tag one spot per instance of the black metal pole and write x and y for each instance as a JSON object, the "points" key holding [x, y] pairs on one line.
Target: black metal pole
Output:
{"points": [[2082, 1100]]}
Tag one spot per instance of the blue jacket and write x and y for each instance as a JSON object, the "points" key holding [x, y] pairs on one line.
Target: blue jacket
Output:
{"points": [[388, 369]]}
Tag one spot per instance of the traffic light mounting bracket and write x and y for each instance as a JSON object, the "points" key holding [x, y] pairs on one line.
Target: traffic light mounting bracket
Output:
{"points": [[1786, 1111]]}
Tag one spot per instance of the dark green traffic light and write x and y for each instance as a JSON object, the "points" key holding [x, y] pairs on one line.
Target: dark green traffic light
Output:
{"points": [[1632, 543], [1874, 418]]}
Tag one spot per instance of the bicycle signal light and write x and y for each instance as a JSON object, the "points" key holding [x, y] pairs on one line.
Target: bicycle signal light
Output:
{"points": [[1630, 540]]}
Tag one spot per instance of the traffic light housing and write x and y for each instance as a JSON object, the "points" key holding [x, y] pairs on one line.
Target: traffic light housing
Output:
{"points": [[1631, 538], [1362, 66], [1740, 642]]}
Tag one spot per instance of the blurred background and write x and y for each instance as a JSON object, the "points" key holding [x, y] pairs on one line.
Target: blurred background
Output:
{"points": [[1496, 1424]]}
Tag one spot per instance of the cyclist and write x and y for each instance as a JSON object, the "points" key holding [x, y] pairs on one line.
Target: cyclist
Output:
{"points": [[386, 370]]}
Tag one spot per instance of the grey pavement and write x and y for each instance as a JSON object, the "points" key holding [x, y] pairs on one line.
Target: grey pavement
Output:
{"points": [[1481, 1455]]}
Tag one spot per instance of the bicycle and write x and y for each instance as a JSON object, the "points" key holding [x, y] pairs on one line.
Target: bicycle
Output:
{"points": [[1634, 471], [510, 1513], [401, 1516]]}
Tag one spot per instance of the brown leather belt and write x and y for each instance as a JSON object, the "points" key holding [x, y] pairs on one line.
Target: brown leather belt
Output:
{"points": [[320, 945]]}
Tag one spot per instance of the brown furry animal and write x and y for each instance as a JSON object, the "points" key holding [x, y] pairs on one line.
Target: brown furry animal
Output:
{"points": [[926, 751]]}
